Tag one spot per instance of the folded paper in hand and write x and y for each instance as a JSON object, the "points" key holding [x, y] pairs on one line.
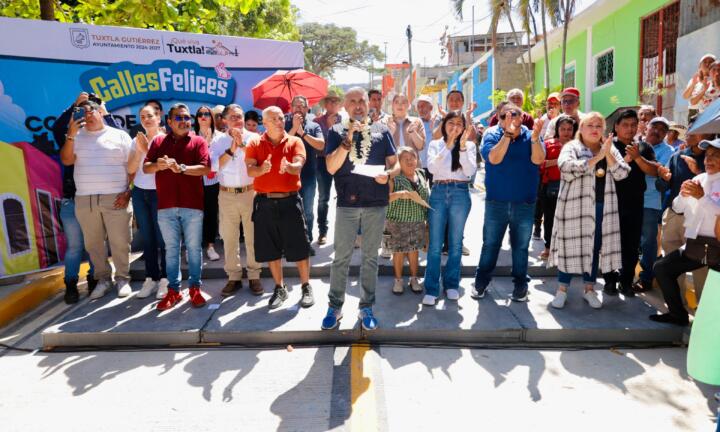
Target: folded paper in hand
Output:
{"points": [[369, 170]]}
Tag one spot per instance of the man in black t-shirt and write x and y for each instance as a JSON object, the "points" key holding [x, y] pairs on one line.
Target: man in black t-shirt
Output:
{"points": [[630, 192]]}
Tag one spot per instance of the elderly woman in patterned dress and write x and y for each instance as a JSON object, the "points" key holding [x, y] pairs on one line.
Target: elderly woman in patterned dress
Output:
{"points": [[586, 231], [406, 216]]}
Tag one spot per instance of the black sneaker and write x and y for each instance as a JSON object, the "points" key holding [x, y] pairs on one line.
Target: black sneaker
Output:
{"points": [[91, 283], [280, 294], [627, 290], [670, 319], [312, 251], [307, 298], [519, 294], [610, 288], [71, 292]]}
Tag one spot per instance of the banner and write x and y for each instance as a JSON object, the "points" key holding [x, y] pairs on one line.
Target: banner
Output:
{"points": [[44, 65]]}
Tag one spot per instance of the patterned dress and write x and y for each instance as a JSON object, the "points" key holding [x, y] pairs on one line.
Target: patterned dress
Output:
{"points": [[406, 219]]}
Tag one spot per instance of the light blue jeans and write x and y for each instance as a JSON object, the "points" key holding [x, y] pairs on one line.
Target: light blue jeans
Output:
{"points": [[75, 248], [371, 221], [177, 224], [450, 208]]}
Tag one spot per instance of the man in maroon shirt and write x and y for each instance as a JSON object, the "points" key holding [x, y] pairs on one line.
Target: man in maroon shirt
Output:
{"points": [[179, 161]]}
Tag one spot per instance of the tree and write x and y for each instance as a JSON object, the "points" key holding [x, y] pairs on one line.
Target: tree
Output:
{"points": [[329, 47], [566, 10], [255, 18]]}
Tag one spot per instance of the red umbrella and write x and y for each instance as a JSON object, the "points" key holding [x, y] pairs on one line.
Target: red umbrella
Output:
{"points": [[281, 87]]}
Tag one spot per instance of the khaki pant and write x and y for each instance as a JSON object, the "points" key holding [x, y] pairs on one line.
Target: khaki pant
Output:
{"points": [[673, 238], [99, 220], [236, 208]]}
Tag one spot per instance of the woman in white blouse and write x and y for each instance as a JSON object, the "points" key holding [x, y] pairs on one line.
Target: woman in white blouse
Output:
{"points": [[699, 201], [452, 162]]}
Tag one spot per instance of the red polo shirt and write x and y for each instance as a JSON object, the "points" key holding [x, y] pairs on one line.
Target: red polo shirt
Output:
{"points": [[179, 190], [273, 181]]}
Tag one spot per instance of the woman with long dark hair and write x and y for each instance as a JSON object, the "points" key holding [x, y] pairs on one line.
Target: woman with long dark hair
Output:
{"points": [[205, 127], [565, 129], [452, 162]]}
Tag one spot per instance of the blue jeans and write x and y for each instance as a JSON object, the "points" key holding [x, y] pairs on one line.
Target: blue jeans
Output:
{"points": [[324, 184], [347, 222], [176, 224], [307, 192], [145, 206], [450, 208], [75, 248], [566, 278], [499, 216], [648, 243]]}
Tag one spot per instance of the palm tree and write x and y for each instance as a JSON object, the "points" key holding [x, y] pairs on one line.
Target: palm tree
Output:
{"points": [[47, 10], [566, 10]]}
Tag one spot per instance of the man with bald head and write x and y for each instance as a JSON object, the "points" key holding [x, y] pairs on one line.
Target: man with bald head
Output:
{"points": [[362, 198]]}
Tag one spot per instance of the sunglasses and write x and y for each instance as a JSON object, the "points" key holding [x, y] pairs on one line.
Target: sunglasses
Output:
{"points": [[568, 101], [512, 114], [205, 114], [179, 118]]}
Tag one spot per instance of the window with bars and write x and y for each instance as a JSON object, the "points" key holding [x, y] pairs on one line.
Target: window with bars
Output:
{"points": [[659, 47], [605, 68], [570, 75]]}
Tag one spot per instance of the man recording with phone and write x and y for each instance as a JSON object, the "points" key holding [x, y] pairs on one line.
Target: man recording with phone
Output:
{"points": [[100, 155], [75, 249]]}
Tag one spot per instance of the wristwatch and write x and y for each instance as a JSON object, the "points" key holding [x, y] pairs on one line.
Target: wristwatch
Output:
{"points": [[183, 168], [229, 153]]}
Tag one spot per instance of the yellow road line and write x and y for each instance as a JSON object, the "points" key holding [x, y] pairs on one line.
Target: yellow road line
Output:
{"points": [[33, 294], [362, 391]]}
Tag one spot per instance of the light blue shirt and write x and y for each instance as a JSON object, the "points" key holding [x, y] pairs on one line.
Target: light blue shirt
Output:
{"points": [[428, 138], [653, 197]]}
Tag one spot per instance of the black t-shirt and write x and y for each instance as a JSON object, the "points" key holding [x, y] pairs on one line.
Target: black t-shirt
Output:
{"points": [[313, 129], [600, 182], [631, 190], [354, 190]]}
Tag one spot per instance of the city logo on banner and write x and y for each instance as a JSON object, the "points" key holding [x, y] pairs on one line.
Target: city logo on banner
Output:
{"points": [[80, 37], [126, 83]]}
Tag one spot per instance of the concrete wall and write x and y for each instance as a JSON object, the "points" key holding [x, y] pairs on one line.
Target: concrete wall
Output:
{"points": [[508, 72]]}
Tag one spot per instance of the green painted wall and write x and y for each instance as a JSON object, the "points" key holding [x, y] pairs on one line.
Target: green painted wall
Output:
{"points": [[621, 31]]}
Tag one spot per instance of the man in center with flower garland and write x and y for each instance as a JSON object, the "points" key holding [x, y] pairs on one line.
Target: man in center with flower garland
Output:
{"points": [[361, 157]]}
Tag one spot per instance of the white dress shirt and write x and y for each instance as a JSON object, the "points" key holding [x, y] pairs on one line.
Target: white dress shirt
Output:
{"points": [[440, 161], [700, 214], [234, 173]]}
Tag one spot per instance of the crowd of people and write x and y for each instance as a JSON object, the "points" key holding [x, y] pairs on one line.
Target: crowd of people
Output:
{"points": [[644, 193]]}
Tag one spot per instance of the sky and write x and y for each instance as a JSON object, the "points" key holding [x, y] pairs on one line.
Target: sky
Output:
{"points": [[381, 21]]}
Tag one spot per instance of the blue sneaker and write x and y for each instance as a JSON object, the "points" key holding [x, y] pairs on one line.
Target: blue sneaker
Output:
{"points": [[367, 319], [332, 319]]}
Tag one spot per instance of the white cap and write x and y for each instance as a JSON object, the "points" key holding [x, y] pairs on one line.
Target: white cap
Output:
{"points": [[423, 98], [662, 120]]}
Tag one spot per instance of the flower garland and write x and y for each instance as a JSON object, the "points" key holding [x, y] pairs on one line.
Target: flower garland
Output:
{"points": [[360, 156]]}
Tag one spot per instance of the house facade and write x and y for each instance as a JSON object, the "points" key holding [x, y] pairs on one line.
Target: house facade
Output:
{"points": [[619, 53]]}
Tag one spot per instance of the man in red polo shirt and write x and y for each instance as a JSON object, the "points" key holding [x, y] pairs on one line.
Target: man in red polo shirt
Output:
{"points": [[275, 160], [179, 161]]}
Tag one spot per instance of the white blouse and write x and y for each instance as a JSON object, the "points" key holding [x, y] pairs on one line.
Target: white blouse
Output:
{"points": [[440, 161], [700, 214]]}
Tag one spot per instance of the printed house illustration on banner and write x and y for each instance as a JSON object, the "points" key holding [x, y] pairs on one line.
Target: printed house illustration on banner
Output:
{"points": [[31, 236]]}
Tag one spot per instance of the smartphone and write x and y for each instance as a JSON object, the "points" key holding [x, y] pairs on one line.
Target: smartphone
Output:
{"points": [[79, 113]]}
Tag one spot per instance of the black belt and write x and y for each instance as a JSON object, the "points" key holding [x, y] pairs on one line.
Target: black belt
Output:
{"points": [[277, 195]]}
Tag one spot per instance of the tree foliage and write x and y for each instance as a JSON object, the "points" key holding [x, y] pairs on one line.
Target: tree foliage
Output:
{"points": [[329, 47], [254, 18]]}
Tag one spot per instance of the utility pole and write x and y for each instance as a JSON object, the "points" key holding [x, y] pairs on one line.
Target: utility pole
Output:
{"points": [[385, 53], [411, 84], [472, 37]]}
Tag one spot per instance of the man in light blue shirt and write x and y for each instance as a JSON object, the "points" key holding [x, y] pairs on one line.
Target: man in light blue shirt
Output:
{"points": [[424, 108], [652, 211]]}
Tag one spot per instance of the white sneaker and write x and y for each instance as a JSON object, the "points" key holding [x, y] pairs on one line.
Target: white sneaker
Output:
{"points": [[452, 294], [429, 300], [592, 298], [162, 289], [559, 300], [100, 290], [148, 287], [385, 253], [398, 287], [212, 255], [123, 288], [415, 286]]}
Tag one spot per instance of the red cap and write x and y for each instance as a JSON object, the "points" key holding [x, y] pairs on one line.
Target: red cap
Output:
{"points": [[571, 91], [554, 96]]}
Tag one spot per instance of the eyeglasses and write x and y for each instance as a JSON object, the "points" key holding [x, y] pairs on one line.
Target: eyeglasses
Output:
{"points": [[512, 114], [205, 114], [179, 118]]}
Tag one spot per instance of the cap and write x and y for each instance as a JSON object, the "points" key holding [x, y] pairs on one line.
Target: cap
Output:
{"points": [[662, 120], [555, 96], [680, 129], [704, 144], [707, 56], [331, 94], [218, 109], [570, 91], [423, 98]]}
